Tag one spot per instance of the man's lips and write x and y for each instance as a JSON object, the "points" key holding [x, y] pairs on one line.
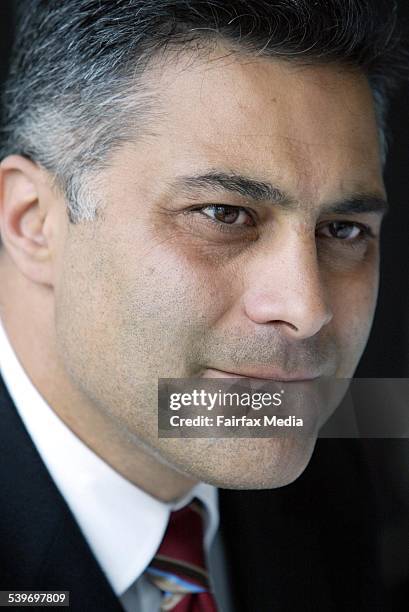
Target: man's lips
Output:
{"points": [[263, 374]]}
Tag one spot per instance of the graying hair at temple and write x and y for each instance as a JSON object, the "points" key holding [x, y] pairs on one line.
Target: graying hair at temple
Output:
{"points": [[76, 90]]}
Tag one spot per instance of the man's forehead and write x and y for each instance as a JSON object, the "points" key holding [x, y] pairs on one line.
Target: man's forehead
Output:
{"points": [[316, 124], [237, 85]]}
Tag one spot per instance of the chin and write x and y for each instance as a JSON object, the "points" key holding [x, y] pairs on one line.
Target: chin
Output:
{"points": [[242, 463]]}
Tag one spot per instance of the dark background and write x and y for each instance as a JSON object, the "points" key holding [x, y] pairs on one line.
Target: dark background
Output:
{"points": [[338, 538]]}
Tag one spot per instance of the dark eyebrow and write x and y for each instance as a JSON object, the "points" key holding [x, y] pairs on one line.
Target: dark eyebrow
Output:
{"points": [[360, 203], [264, 191], [237, 183]]}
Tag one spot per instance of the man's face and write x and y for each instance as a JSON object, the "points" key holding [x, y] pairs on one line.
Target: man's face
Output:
{"points": [[195, 268]]}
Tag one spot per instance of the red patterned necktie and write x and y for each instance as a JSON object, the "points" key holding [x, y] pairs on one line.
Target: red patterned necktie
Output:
{"points": [[179, 568]]}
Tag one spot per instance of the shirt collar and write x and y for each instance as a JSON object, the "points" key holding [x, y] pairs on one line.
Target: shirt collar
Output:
{"points": [[122, 524]]}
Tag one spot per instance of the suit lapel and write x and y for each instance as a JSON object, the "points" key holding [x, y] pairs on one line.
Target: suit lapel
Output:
{"points": [[41, 545]]}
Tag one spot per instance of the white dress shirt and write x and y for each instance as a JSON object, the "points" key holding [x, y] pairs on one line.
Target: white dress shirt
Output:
{"points": [[122, 524]]}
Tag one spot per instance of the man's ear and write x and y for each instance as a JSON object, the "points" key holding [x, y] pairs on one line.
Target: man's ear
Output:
{"points": [[26, 217]]}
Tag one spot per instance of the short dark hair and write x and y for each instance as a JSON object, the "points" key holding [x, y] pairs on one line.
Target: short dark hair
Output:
{"points": [[75, 92]]}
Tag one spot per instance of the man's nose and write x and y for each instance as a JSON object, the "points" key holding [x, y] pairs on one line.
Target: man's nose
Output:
{"points": [[285, 288]]}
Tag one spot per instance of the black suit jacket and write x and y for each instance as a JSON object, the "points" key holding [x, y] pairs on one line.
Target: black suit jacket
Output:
{"points": [[310, 546]]}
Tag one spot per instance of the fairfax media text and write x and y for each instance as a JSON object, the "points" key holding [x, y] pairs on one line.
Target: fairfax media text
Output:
{"points": [[243, 421]]}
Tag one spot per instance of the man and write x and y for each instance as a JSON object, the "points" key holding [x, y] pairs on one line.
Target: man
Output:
{"points": [[188, 189]]}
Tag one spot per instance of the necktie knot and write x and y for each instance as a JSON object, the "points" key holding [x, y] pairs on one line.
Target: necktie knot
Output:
{"points": [[179, 567]]}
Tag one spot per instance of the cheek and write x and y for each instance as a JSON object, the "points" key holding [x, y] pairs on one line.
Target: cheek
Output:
{"points": [[353, 300], [170, 287], [167, 301]]}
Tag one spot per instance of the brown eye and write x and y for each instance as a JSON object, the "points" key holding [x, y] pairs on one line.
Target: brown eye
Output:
{"points": [[225, 214], [229, 215], [342, 230]]}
